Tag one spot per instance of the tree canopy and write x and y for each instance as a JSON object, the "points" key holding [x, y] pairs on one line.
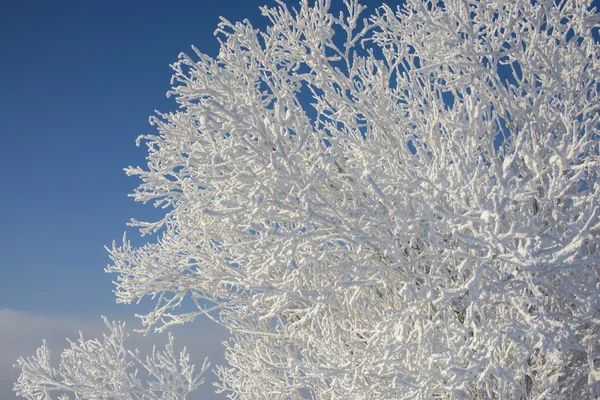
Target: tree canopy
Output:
{"points": [[399, 203]]}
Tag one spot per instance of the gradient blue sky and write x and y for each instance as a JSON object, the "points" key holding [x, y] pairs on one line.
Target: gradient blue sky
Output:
{"points": [[78, 81]]}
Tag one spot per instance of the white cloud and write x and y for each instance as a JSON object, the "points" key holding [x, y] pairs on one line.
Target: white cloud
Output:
{"points": [[21, 333]]}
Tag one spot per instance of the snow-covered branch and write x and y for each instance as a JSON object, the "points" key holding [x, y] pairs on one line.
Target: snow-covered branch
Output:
{"points": [[93, 369], [396, 205]]}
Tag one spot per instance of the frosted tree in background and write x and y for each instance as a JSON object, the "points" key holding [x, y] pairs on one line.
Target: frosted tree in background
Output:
{"points": [[105, 370], [403, 205]]}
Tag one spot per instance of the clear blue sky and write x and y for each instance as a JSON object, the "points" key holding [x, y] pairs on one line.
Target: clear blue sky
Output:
{"points": [[78, 81]]}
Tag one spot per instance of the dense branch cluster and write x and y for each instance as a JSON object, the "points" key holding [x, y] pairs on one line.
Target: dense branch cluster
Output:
{"points": [[401, 206]]}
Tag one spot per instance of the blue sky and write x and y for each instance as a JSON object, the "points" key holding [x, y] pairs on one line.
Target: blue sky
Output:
{"points": [[79, 80]]}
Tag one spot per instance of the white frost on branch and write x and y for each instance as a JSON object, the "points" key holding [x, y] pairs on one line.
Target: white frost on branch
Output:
{"points": [[401, 206], [93, 369]]}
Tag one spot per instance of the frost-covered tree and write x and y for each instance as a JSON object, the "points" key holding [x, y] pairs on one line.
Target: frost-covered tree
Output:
{"points": [[396, 206], [104, 370]]}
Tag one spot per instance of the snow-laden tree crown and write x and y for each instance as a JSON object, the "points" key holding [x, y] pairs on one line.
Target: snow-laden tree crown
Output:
{"points": [[392, 204]]}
